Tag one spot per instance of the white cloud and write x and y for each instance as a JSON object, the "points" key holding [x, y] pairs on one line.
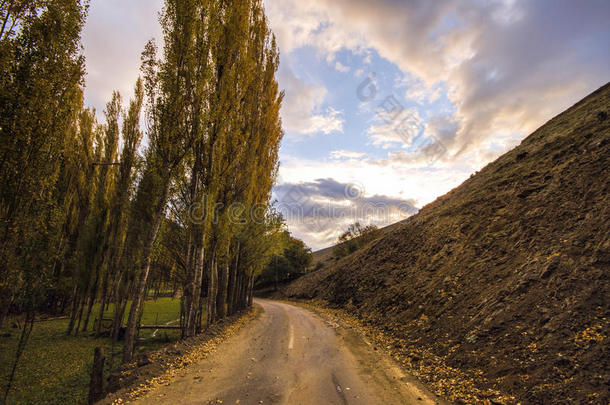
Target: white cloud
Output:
{"points": [[507, 64], [319, 210], [341, 67], [301, 110], [398, 127], [346, 154], [418, 91], [391, 176], [329, 121]]}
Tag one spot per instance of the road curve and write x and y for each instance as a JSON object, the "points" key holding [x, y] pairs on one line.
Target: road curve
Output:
{"points": [[291, 356]]}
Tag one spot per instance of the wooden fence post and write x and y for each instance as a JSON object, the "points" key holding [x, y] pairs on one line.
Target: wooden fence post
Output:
{"points": [[96, 386]]}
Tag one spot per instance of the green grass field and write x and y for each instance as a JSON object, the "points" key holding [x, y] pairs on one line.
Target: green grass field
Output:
{"points": [[54, 368]]}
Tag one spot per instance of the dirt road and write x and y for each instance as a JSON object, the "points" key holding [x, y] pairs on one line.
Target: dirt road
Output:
{"points": [[291, 356]]}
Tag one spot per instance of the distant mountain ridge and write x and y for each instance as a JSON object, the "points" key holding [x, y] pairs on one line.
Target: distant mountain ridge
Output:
{"points": [[506, 277]]}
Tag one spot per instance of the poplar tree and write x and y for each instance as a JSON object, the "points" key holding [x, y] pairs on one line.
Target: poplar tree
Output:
{"points": [[41, 73], [119, 202], [82, 181], [170, 88], [91, 255]]}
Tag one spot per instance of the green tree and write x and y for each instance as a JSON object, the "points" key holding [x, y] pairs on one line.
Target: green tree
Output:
{"points": [[170, 91], [41, 74], [354, 238], [292, 261]]}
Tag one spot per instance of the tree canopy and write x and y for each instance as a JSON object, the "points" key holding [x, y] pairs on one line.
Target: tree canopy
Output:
{"points": [[354, 238]]}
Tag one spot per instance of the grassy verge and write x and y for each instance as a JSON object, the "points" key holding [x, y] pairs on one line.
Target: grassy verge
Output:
{"points": [[54, 368]]}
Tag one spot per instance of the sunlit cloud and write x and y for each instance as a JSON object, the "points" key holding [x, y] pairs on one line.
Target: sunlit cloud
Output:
{"points": [[514, 63], [301, 110], [341, 67], [346, 154]]}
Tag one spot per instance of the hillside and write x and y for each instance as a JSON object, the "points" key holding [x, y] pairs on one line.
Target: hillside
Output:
{"points": [[506, 276]]}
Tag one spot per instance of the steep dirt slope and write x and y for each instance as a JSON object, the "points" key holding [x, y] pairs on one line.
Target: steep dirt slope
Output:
{"points": [[506, 276]]}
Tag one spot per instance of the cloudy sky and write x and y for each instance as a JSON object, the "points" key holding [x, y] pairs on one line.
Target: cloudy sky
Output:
{"points": [[392, 103]]}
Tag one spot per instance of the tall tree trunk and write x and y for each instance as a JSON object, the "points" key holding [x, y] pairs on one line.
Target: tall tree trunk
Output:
{"points": [[118, 288], [81, 307], [203, 293], [221, 297], [107, 257], [73, 310], [186, 301], [212, 290], [103, 300], [130, 331], [88, 313], [195, 286], [119, 312], [242, 290], [28, 325], [250, 288], [120, 302], [233, 284], [117, 317], [92, 295]]}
